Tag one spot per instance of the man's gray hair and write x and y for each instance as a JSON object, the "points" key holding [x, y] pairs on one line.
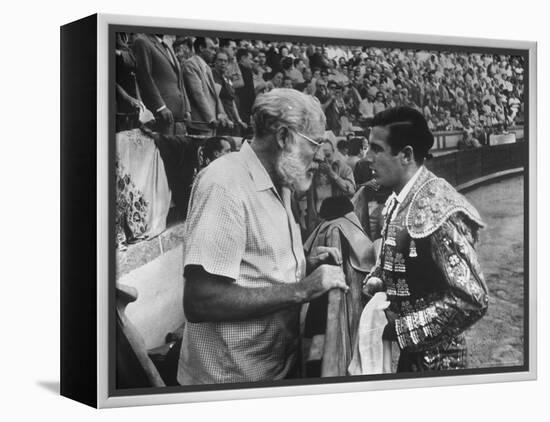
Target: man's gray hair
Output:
{"points": [[290, 108]]}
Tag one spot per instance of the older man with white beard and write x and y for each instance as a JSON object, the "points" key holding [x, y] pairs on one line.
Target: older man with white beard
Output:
{"points": [[246, 275]]}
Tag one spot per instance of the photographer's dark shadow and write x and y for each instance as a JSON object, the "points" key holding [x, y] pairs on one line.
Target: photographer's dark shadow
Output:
{"points": [[52, 386]]}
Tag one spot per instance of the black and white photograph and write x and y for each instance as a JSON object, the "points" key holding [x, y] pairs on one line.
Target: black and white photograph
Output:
{"points": [[290, 211], [294, 210]]}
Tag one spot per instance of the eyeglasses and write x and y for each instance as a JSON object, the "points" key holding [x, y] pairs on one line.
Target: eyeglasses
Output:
{"points": [[307, 138]]}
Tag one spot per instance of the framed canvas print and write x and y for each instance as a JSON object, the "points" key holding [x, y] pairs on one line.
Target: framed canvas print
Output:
{"points": [[270, 210]]}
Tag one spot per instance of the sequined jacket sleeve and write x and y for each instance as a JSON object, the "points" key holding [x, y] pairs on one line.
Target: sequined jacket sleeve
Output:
{"points": [[464, 301]]}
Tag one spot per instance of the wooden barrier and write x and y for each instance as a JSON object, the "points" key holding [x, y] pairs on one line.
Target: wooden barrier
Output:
{"points": [[459, 167], [134, 367]]}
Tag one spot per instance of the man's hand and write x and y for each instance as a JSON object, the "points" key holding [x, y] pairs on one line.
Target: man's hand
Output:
{"points": [[150, 133], [324, 255], [135, 103], [326, 168], [187, 118], [166, 116], [323, 279], [373, 286]]}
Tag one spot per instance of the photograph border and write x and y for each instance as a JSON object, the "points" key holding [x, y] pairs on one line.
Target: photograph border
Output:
{"points": [[108, 395]]}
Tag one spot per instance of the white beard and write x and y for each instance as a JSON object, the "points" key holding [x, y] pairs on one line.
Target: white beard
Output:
{"points": [[292, 171]]}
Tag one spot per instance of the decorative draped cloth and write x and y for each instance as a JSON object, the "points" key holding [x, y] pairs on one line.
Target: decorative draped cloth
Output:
{"points": [[362, 254], [142, 193]]}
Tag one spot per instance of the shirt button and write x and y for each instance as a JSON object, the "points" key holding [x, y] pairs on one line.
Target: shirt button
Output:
{"points": [[298, 275]]}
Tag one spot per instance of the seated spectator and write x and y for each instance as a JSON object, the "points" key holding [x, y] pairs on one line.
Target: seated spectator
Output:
{"points": [[322, 93], [290, 72], [277, 79], [366, 108], [379, 103], [287, 82], [261, 69], [468, 141]]}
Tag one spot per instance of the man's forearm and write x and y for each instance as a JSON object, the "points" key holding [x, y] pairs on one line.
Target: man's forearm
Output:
{"points": [[207, 298], [213, 298]]}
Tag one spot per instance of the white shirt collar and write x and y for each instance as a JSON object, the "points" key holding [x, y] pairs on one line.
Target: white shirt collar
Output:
{"points": [[407, 188]]}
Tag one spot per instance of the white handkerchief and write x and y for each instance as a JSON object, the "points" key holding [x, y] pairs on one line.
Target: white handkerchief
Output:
{"points": [[371, 354]]}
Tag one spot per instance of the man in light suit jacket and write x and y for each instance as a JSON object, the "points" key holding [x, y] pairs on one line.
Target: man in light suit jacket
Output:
{"points": [[207, 111], [161, 84]]}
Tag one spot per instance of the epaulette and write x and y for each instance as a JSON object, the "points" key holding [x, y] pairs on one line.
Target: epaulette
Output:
{"points": [[432, 204]]}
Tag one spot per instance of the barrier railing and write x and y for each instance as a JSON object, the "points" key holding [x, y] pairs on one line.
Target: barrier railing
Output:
{"points": [[460, 167], [448, 140]]}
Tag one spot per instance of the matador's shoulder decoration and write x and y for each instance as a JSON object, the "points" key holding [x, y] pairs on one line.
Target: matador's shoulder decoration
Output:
{"points": [[432, 204]]}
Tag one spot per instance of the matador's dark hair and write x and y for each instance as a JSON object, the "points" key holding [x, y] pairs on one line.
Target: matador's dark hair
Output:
{"points": [[407, 127]]}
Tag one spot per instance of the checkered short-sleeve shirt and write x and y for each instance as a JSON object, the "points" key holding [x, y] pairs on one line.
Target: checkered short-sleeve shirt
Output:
{"points": [[239, 227]]}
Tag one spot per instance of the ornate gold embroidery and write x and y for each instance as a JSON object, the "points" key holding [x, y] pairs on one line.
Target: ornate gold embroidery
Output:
{"points": [[432, 204]]}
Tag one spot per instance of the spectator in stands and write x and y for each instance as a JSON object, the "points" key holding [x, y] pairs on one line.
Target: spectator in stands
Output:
{"points": [[277, 79], [366, 109], [229, 47], [514, 105], [161, 84], [342, 147], [357, 148], [334, 177], [226, 93], [128, 106], [316, 59], [183, 48], [335, 108], [262, 70], [307, 86], [321, 93], [297, 75], [468, 141], [287, 82], [245, 94], [287, 66], [206, 108], [379, 103]]}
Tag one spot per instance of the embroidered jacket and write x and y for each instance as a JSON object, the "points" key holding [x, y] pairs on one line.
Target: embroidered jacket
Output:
{"points": [[429, 265]]}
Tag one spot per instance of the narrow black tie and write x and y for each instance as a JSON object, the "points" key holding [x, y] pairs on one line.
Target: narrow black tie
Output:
{"points": [[169, 51]]}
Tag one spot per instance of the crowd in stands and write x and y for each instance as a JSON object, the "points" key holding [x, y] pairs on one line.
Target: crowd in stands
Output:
{"points": [[454, 90], [206, 87]]}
